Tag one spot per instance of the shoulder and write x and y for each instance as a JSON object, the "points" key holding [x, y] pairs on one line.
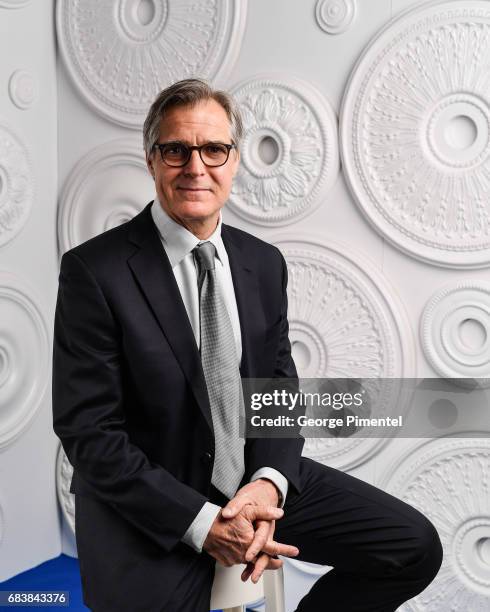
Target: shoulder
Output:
{"points": [[111, 247], [252, 245], [108, 240]]}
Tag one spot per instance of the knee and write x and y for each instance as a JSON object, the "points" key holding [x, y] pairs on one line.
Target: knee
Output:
{"points": [[431, 553], [426, 552]]}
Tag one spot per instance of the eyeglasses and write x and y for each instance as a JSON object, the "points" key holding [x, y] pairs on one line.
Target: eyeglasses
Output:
{"points": [[177, 154]]}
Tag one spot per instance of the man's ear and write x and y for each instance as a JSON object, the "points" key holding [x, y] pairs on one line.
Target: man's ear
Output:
{"points": [[149, 163]]}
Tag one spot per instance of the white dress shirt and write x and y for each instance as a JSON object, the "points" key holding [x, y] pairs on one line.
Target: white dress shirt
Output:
{"points": [[178, 243]]}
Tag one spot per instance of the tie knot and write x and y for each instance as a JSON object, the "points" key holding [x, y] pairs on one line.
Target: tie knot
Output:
{"points": [[205, 255]]}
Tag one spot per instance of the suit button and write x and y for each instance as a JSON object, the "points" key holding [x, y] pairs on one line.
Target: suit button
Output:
{"points": [[207, 457]]}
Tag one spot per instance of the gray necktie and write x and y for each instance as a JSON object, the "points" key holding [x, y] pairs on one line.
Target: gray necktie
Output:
{"points": [[220, 364]]}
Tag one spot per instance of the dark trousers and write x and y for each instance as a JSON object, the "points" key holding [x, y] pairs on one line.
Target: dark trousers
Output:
{"points": [[383, 551]]}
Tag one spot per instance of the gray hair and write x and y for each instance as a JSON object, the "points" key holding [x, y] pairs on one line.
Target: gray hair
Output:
{"points": [[189, 92]]}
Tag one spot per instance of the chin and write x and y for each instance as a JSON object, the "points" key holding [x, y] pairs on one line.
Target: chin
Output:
{"points": [[198, 206], [196, 209]]}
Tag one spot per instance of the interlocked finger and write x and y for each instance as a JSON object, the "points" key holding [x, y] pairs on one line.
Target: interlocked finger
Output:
{"points": [[261, 564], [273, 548], [262, 534], [272, 564]]}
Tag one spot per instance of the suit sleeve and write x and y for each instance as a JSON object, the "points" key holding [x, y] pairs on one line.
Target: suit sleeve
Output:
{"points": [[282, 454], [89, 414]]}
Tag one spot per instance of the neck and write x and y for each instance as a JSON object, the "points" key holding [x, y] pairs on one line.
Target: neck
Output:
{"points": [[201, 228]]}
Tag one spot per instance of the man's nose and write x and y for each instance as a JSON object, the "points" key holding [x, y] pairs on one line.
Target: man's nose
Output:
{"points": [[195, 164]]}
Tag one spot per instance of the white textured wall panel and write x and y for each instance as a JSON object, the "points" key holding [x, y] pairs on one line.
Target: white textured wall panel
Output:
{"points": [[28, 280], [367, 142]]}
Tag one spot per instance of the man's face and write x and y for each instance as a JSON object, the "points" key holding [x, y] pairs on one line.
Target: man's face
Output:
{"points": [[194, 194]]}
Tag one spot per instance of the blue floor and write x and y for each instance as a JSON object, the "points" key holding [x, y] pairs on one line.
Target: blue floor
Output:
{"points": [[60, 574]]}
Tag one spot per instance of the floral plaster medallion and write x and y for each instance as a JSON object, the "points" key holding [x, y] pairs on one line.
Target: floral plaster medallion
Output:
{"points": [[289, 154], [16, 184]]}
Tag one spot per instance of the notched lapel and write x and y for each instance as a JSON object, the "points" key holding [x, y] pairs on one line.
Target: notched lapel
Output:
{"points": [[153, 273]]}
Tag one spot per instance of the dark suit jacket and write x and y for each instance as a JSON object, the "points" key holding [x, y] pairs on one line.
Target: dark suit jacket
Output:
{"points": [[130, 404]]}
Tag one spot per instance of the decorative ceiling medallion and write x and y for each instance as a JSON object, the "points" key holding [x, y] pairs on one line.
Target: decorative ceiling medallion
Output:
{"points": [[23, 89], [449, 482], [289, 154], [415, 133], [64, 473], [16, 184], [344, 319], [108, 186], [24, 358], [344, 322], [335, 16], [121, 53], [455, 331]]}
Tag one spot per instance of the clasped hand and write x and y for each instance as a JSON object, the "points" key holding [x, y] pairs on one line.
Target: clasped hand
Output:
{"points": [[243, 531]]}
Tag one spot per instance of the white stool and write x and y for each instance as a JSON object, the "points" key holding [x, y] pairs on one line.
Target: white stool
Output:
{"points": [[231, 594]]}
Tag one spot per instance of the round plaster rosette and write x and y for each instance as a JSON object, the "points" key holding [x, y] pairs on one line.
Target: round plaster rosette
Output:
{"points": [[108, 186], [23, 89], [121, 53], [448, 480], [455, 331], [345, 322], [335, 16], [415, 133], [24, 357], [289, 153]]}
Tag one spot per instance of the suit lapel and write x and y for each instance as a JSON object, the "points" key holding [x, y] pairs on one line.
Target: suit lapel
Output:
{"points": [[250, 310], [153, 273]]}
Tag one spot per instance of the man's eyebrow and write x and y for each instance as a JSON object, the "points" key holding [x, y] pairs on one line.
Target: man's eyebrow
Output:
{"points": [[175, 142], [187, 142]]}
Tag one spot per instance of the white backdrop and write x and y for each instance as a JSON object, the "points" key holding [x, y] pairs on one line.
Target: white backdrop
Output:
{"points": [[366, 160]]}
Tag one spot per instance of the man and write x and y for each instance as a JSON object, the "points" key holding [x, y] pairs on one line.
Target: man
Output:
{"points": [[155, 322]]}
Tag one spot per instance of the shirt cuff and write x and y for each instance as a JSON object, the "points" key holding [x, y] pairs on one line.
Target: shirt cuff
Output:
{"points": [[200, 526], [277, 478]]}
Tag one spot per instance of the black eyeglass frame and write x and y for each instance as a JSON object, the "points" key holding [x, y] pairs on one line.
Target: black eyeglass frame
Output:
{"points": [[190, 148]]}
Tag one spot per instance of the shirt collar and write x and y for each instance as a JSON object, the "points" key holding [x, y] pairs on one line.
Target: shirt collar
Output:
{"points": [[178, 241]]}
